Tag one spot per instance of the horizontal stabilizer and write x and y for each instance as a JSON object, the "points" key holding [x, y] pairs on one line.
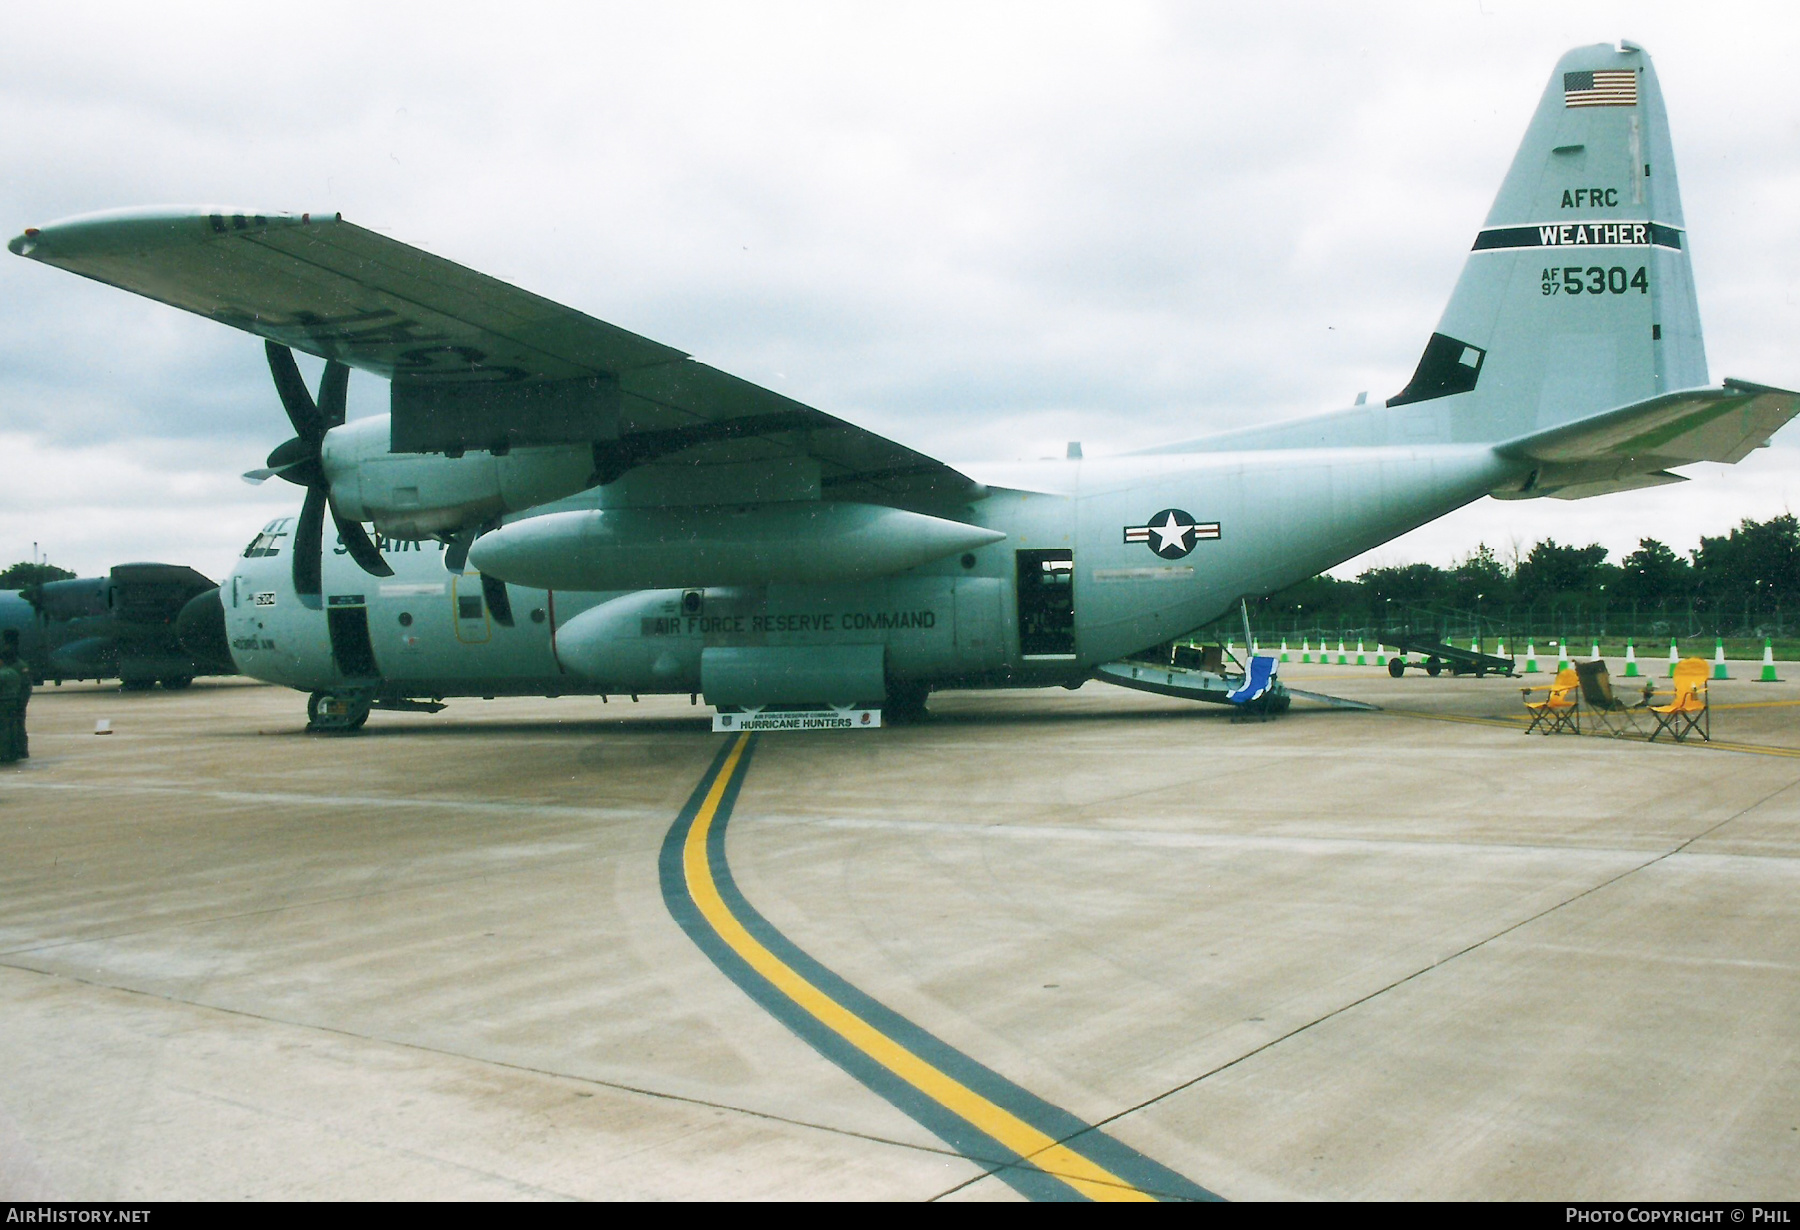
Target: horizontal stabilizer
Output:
{"points": [[1635, 445]]}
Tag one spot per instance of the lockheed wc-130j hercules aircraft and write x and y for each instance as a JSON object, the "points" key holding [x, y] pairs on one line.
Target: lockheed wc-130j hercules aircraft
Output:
{"points": [[610, 515]]}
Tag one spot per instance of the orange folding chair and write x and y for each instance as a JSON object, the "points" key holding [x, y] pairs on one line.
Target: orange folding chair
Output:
{"points": [[1560, 710], [1688, 713]]}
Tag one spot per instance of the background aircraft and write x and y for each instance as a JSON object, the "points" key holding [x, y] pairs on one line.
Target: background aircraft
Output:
{"points": [[769, 552], [119, 626]]}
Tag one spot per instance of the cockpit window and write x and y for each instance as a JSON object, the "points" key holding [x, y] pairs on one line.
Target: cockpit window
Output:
{"points": [[269, 541]]}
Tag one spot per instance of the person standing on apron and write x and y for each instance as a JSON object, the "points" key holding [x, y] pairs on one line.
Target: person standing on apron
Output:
{"points": [[15, 690]]}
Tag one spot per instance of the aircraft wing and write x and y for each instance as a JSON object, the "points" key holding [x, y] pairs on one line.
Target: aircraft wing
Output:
{"points": [[1633, 446], [441, 331]]}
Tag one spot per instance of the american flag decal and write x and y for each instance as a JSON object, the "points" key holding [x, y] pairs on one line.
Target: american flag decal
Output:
{"points": [[1605, 87]]}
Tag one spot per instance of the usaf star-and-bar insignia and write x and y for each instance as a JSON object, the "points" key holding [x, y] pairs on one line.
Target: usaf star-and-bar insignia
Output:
{"points": [[1171, 533]]}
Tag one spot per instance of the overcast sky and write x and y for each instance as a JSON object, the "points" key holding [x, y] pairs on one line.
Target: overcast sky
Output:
{"points": [[983, 230]]}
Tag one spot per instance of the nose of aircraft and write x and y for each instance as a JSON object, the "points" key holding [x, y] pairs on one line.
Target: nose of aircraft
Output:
{"points": [[201, 628]]}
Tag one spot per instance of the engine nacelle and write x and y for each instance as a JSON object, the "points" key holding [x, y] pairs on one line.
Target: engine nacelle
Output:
{"points": [[419, 495]]}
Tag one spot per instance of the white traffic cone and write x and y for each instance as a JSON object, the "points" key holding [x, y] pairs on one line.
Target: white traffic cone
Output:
{"points": [[1673, 657], [1719, 658], [1631, 670], [1768, 670]]}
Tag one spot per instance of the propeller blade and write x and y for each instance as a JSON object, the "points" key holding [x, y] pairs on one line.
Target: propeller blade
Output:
{"points": [[297, 461], [456, 546], [258, 477], [331, 393], [363, 551], [302, 411], [456, 549], [307, 536]]}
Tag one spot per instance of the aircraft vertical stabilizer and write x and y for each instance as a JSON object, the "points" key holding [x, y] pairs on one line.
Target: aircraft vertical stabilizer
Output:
{"points": [[1578, 294]]}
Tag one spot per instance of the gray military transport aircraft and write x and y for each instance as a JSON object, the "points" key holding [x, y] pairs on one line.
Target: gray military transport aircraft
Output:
{"points": [[564, 506]]}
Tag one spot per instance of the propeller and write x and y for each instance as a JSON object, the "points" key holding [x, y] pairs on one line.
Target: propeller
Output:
{"points": [[457, 544], [298, 461]]}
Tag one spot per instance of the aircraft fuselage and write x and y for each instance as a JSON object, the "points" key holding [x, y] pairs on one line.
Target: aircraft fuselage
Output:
{"points": [[1102, 558]]}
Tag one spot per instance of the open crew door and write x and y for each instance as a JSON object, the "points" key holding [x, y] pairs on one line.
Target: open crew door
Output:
{"points": [[1046, 588], [347, 618]]}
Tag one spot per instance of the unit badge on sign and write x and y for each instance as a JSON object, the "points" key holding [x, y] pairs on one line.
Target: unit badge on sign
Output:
{"points": [[1171, 533]]}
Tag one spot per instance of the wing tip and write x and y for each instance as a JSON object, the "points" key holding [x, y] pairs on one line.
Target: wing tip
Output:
{"points": [[1747, 386], [142, 228]]}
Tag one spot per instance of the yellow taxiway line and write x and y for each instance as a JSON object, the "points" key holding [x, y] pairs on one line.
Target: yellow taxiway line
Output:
{"points": [[1039, 1149], [1028, 1142]]}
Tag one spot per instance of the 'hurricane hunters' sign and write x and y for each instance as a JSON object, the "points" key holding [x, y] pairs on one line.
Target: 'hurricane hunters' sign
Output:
{"points": [[1171, 533], [797, 719], [1580, 234]]}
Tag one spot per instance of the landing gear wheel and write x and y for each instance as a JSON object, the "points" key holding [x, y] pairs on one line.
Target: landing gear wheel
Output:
{"points": [[333, 714], [1396, 667], [174, 683], [1434, 668]]}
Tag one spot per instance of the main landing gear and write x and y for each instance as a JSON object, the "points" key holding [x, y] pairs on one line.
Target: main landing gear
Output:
{"points": [[336, 713]]}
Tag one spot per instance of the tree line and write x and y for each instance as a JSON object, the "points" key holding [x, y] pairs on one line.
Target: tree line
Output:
{"points": [[25, 574], [1745, 582]]}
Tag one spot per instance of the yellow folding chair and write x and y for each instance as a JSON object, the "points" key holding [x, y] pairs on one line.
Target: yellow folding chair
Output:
{"points": [[1688, 713], [1561, 709]]}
